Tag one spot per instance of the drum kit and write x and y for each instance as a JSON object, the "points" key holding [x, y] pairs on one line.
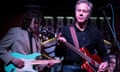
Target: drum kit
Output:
{"points": [[48, 42], [108, 45]]}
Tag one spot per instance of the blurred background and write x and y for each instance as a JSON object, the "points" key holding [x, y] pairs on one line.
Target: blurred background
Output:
{"points": [[57, 13], [54, 8], [61, 12]]}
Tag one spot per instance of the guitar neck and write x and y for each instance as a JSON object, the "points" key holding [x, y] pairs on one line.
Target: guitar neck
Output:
{"points": [[77, 51], [44, 61]]}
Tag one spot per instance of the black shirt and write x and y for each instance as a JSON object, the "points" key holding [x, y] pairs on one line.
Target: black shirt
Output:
{"points": [[90, 38]]}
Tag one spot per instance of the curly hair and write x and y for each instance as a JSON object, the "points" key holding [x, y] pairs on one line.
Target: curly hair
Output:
{"points": [[28, 15]]}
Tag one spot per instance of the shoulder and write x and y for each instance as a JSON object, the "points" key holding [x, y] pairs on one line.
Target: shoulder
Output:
{"points": [[12, 33], [15, 31], [94, 28], [66, 28]]}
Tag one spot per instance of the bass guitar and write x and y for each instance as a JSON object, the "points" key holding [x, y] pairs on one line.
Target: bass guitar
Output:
{"points": [[91, 62]]}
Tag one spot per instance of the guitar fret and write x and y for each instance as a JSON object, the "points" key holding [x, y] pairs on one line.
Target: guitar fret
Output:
{"points": [[76, 50]]}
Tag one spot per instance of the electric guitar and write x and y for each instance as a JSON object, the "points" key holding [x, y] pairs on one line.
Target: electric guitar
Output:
{"points": [[91, 62], [29, 61]]}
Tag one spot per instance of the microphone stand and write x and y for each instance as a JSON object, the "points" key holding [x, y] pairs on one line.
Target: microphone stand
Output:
{"points": [[114, 36], [118, 45]]}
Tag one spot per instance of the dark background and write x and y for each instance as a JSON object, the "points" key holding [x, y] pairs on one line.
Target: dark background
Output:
{"points": [[11, 8], [51, 7]]}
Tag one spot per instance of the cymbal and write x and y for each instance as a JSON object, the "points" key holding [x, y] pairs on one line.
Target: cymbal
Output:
{"points": [[49, 42], [107, 42]]}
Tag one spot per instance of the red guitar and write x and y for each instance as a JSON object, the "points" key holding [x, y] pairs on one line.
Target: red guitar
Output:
{"points": [[95, 60], [91, 62]]}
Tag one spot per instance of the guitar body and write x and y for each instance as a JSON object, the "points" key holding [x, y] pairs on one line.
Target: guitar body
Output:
{"points": [[86, 65], [90, 62], [26, 58]]}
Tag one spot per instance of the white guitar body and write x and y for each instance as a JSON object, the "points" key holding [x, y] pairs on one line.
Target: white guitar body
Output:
{"points": [[28, 67]]}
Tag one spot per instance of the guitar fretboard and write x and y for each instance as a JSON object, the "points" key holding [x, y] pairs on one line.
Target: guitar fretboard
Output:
{"points": [[77, 51]]}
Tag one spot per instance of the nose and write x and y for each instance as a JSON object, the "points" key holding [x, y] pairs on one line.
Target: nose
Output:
{"points": [[81, 14]]}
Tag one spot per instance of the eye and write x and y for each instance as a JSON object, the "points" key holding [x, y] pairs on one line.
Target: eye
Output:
{"points": [[86, 11], [79, 10]]}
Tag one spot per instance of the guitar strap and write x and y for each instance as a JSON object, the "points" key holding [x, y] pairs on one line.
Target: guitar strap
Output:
{"points": [[30, 39], [74, 37]]}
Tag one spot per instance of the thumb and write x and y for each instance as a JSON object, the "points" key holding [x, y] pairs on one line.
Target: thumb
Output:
{"points": [[59, 35]]}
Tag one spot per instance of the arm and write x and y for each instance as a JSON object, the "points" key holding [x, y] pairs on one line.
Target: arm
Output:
{"points": [[59, 50], [60, 47], [5, 46], [103, 53]]}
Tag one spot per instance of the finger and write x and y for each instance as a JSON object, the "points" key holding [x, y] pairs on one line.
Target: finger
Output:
{"points": [[20, 66], [59, 35]]}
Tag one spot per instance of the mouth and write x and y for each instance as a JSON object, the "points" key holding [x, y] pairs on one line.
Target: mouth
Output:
{"points": [[81, 18]]}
